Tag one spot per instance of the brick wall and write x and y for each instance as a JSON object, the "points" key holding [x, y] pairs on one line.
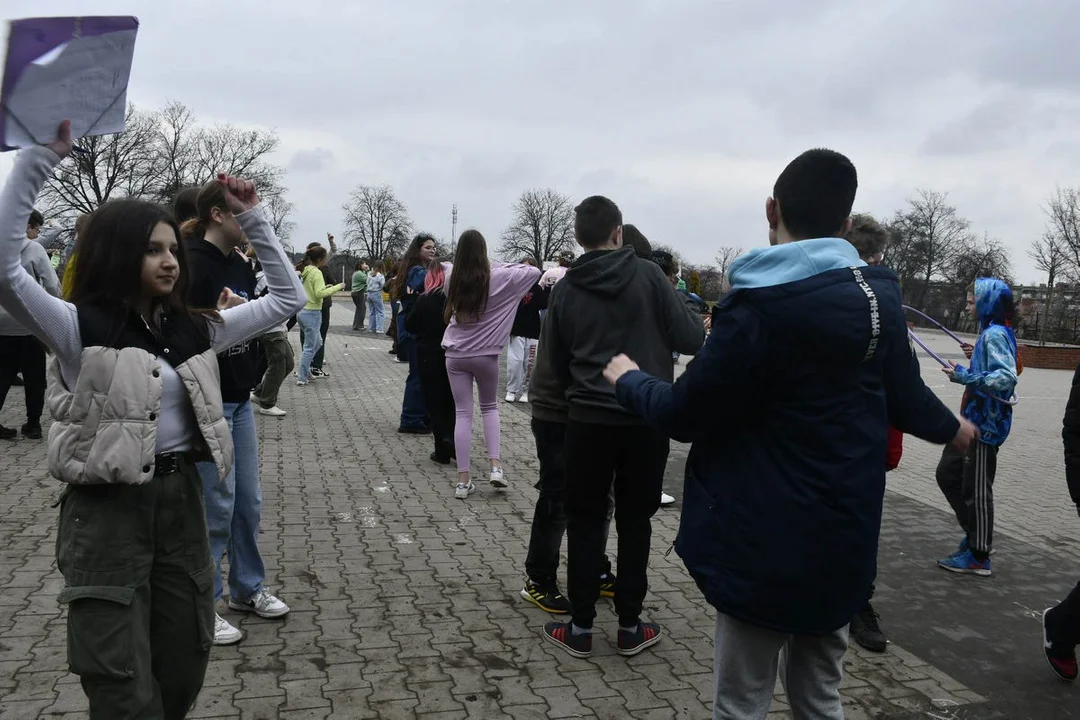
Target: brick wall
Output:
{"points": [[1050, 357]]}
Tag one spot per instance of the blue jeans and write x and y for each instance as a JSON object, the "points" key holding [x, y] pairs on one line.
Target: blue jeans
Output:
{"points": [[377, 311], [309, 320], [414, 412], [234, 507]]}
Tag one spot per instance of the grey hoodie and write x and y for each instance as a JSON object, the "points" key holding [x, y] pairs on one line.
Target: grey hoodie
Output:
{"points": [[35, 260]]}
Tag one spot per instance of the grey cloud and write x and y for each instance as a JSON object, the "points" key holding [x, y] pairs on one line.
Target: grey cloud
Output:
{"points": [[311, 161]]}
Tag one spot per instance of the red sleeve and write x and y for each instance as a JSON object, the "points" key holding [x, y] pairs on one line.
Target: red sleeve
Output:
{"points": [[895, 449]]}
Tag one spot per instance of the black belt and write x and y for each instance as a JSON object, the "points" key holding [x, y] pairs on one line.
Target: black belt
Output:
{"points": [[170, 462]]}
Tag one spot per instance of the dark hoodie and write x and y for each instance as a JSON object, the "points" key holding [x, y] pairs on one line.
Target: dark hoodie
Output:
{"points": [[788, 407], [613, 302], [211, 272]]}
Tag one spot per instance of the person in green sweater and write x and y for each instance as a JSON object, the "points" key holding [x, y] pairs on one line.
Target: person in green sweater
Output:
{"points": [[310, 318], [359, 295]]}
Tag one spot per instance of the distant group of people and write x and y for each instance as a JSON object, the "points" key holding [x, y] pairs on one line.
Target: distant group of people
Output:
{"points": [[801, 378]]}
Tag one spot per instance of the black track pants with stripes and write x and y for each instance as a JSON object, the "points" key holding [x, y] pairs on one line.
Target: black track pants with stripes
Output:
{"points": [[967, 481]]}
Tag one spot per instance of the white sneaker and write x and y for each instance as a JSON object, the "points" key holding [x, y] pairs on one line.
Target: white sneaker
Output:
{"points": [[274, 411], [302, 383], [255, 400], [497, 478], [524, 397], [263, 604], [666, 499], [511, 397], [225, 633], [463, 491]]}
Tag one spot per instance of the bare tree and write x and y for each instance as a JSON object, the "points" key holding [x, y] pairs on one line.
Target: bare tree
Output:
{"points": [[1063, 224], [377, 224], [104, 167], [279, 209], [934, 235], [725, 256], [1050, 254], [158, 153], [542, 226]]}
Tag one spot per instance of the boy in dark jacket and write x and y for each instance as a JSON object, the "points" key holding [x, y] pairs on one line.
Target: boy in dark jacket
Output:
{"points": [[610, 301], [808, 361], [1061, 624], [967, 479]]}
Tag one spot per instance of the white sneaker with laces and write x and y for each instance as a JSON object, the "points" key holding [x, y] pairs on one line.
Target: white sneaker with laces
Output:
{"points": [[666, 499], [511, 397], [497, 478], [524, 398], [274, 411], [225, 633], [463, 491], [263, 604]]}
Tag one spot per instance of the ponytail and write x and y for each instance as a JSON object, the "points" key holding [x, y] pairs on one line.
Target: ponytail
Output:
{"points": [[191, 228]]}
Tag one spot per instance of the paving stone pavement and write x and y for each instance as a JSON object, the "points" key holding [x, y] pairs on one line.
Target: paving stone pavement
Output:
{"points": [[404, 600]]}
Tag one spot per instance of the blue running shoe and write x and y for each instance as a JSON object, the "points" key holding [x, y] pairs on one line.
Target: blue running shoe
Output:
{"points": [[964, 547], [966, 563]]}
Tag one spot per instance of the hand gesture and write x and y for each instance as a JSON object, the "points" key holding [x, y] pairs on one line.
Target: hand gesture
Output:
{"points": [[966, 435], [968, 349], [619, 366], [62, 144], [950, 371], [240, 194], [228, 299]]}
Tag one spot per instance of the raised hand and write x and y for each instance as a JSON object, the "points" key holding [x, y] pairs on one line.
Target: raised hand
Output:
{"points": [[62, 144], [239, 193]]}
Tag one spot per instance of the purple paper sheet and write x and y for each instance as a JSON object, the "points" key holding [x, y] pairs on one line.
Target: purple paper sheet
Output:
{"points": [[30, 38]]}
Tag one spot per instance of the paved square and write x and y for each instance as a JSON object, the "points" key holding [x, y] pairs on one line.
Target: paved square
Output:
{"points": [[404, 600]]}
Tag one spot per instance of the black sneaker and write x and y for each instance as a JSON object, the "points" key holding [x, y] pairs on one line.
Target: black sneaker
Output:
{"points": [[1060, 654], [562, 634], [548, 599], [435, 457], [631, 643], [319, 373], [607, 585], [31, 431], [7, 433], [414, 430], [867, 631]]}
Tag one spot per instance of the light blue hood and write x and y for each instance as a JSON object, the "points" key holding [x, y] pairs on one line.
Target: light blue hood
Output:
{"points": [[791, 262]]}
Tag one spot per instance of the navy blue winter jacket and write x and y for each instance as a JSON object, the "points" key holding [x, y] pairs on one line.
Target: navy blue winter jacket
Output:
{"points": [[788, 406]]}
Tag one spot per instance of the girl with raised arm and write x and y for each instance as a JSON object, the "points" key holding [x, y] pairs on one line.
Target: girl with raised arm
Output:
{"points": [[135, 397]]}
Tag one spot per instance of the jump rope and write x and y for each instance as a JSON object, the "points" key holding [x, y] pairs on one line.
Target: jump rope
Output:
{"points": [[944, 363]]}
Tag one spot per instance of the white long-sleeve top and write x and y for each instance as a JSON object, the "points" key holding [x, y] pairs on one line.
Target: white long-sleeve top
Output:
{"points": [[55, 321]]}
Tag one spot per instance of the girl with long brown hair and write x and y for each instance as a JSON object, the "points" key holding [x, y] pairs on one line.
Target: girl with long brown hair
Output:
{"points": [[481, 301]]}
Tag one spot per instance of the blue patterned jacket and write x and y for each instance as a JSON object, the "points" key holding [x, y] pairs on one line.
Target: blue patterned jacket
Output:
{"points": [[992, 373]]}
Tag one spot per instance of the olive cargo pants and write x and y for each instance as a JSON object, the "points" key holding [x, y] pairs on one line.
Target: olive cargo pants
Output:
{"points": [[140, 593]]}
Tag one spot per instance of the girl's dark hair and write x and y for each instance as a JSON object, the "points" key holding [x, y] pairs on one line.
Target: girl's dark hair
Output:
{"points": [[111, 251], [411, 260], [470, 281], [185, 205], [315, 254], [359, 265], [210, 196]]}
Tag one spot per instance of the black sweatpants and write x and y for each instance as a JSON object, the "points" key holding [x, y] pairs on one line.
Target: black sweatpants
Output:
{"points": [[25, 354], [634, 457], [549, 515], [967, 482], [435, 387]]}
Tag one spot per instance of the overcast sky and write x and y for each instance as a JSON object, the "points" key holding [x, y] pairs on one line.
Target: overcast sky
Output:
{"points": [[682, 111]]}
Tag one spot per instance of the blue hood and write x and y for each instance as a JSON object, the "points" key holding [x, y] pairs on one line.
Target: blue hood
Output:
{"points": [[989, 296], [791, 262]]}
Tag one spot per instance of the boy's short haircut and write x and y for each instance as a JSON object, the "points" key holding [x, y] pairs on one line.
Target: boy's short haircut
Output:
{"points": [[595, 219], [815, 193], [666, 261], [632, 237], [36, 219], [867, 235]]}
